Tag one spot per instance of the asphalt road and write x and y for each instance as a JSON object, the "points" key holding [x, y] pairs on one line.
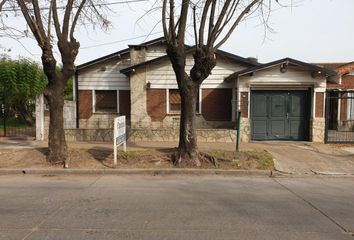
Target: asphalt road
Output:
{"points": [[175, 207]]}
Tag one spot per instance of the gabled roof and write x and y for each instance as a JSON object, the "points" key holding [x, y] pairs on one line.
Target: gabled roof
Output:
{"points": [[119, 53], [330, 65], [308, 66], [345, 68], [190, 49]]}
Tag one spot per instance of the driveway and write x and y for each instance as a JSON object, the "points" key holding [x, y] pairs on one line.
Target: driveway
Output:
{"points": [[175, 207], [309, 158]]}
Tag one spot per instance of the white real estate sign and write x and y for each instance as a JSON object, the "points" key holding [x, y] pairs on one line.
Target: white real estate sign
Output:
{"points": [[119, 135]]}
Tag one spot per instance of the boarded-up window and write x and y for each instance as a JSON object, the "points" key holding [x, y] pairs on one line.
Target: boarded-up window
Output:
{"points": [[216, 104], [175, 100], [85, 104], [156, 103], [106, 101]]}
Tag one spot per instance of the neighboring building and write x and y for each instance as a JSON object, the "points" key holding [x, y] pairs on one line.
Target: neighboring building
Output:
{"points": [[340, 102], [280, 100]]}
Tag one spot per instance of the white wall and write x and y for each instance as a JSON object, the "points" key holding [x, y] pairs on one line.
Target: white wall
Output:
{"points": [[161, 74], [109, 79], [272, 76], [155, 51]]}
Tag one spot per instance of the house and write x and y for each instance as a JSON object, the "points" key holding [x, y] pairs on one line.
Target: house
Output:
{"points": [[340, 102], [139, 82], [280, 100]]}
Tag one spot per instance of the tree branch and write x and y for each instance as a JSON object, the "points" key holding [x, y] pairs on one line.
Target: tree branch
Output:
{"points": [[211, 18], [212, 34], [49, 24], [172, 29], [238, 20], [77, 15], [66, 19], [2, 3], [164, 25], [183, 23], [203, 20], [56, 19], [195, 27], [39, 23], [31, 23]]}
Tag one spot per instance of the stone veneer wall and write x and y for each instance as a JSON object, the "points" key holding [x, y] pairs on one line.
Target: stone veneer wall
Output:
{"points": [[204, 135], [98, 135], [245, 135], [135, 135], [317, 130]]}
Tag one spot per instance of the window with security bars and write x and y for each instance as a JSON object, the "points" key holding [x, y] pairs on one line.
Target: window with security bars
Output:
{"points": [[174, 101]]}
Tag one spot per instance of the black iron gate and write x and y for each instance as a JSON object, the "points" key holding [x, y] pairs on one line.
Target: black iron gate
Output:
{"points": [[11, 125], [339, 117]]}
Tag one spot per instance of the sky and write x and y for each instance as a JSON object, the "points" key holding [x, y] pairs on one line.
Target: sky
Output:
{"points": [[314, 31]]}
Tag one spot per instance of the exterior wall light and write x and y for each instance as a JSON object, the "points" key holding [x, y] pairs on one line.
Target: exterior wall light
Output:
{"points": [[284, 68], [148, 85]]}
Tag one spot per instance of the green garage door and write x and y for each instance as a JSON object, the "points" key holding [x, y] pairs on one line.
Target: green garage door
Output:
{"points": [[280, 115]]}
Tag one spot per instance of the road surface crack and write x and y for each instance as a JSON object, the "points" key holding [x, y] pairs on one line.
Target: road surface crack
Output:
{"points": [[315, 208]]}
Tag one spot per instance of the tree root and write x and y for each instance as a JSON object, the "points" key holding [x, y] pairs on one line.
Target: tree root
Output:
{"points": [[210, 159], [58, 159], [184, 159]]}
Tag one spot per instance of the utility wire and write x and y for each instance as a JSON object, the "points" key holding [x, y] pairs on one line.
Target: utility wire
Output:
{"points": [[119, 41], [9, 9]]}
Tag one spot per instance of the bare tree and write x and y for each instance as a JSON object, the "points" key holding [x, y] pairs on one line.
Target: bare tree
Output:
{"points": [[213, 22], [41, 17]]}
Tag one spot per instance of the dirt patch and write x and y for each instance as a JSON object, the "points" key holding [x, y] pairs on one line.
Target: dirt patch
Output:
{"points": [[100, 157]]}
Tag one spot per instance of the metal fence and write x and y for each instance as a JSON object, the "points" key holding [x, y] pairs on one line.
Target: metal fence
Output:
{"points": [[27, 131], [11, 124], [339, 117]]}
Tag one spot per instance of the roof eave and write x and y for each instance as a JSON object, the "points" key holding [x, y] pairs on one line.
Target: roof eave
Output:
{"points": [[323, 71], [102, 59]]}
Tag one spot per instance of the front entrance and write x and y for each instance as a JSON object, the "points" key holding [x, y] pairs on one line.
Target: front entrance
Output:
{"points": [[280, 115]]}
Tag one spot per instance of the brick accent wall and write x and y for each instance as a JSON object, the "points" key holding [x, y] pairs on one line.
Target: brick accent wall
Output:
{"points": [[216, 104], [156, 104], [244, 104], [124, 103], [85, 104], [348, 81], [319, 105]]}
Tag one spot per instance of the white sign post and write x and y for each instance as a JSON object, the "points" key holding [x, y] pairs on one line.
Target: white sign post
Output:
{"points": [[119, 136]]}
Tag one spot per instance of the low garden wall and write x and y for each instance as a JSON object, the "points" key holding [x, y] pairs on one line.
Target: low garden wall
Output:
{"points": [[135, 135]]}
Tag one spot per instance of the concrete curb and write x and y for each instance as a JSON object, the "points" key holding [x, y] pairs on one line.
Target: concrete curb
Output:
{"points": [[331, 173], [186, 171]]}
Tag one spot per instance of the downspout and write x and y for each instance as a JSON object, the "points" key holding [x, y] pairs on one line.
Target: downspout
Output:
{"points": [[77, 99]]}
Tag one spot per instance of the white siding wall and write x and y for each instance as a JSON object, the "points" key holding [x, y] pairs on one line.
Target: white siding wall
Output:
{"points": [[155, 51], [110, 79], [161, 74], [272, 76]]}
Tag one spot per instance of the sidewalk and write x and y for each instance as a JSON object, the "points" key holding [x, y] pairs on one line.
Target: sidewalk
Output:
{"points": [[300, 158]]}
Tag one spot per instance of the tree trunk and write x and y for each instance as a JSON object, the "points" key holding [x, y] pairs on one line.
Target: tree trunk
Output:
{"points": [[187, 154], [56, 138]]}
